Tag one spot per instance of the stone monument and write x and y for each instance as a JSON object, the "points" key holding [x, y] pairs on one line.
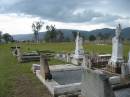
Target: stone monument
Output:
{"points": [[79, 51], [44, 68], [128, 62], [95, 84], [116, 60]]}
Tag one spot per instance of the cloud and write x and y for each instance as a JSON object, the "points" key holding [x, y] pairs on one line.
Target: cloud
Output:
{"points": [[65, 11], [79, 14]]}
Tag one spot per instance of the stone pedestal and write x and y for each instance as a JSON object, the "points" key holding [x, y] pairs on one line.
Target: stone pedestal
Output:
{"points": [[44, 68], [77, 61], [18, 54], [114, 67]]}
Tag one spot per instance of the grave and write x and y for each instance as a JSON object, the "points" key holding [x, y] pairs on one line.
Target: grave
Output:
{"points": [[108, 82], [79, 51], [28, 56], [85, 79], [116, 60], [97, 83], [14, 50], [66, 78]]}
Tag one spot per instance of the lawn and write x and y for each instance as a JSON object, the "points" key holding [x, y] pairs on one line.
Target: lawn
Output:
{"points": [[17, 80]]}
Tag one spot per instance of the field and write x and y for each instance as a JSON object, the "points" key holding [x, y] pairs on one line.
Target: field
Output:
{"points": [[17, 79]]}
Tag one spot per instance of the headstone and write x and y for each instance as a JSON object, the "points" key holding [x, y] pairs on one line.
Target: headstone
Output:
{"points": [[68, 57], [18, 54], [117, 47], [44, 68], [129, 62], [124, 70], [114, 64], [95, 84], [79, 52]]}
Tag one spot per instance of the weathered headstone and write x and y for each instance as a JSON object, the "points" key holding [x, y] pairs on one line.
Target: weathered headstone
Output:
{"points": [[68, 57], [95, 84], [18, 54], [44, 68], [116, 60], [79, 52], [124, 70], [129, 62]]}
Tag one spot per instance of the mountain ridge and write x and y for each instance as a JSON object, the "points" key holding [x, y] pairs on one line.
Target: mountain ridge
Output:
{"points": [[68, 33]]}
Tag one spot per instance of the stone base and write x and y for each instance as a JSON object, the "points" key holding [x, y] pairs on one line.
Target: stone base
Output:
{"points": [[64, 83], [113, 69], [77, 61]]}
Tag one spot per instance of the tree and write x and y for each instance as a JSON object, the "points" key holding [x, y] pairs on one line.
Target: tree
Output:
{"points": [[74, 33], [92, 38], [51, 33], [60, 36], [36, 27], [7, 37], [0, 36]]}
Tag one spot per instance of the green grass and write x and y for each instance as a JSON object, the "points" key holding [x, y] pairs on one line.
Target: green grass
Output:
{"points": [[10, 69]]}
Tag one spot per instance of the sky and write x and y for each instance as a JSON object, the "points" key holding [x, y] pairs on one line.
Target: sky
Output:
{"points": [[17, 16]]}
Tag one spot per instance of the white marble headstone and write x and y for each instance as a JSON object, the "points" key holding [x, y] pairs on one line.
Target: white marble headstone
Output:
{"points": [[79, 52], [129, 62], [117, 47]]}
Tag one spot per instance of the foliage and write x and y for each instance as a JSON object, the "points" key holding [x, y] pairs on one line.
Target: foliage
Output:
{"points": [[36, 27], [104, 36], [0, 36], [7, 37], [92, 38], [53, 35], [74, 33]]}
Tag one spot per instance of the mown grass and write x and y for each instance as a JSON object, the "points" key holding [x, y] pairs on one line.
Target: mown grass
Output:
{"points": [[10, 69]]}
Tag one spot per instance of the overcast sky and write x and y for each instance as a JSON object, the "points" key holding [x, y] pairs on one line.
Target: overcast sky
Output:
{"points": [[16, 16]]}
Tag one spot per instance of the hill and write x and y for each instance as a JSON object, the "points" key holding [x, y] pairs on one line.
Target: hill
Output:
{"points": [[68, 33]]}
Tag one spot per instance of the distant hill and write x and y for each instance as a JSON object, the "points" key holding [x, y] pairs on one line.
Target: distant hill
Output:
{"points": [[68, 33]]}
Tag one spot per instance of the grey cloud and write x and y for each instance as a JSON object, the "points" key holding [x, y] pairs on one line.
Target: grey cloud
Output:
{"points": [[62, 10]]}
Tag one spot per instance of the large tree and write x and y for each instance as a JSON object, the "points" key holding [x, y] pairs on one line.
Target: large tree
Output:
{"points": [[50, 35], [74, 33], [53, 35], [0, 36], [92, 38], [7, 37], [60, 36], [36, 27]]}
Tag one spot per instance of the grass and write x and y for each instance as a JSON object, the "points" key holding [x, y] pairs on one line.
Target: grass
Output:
{"points": [[16, 78]]}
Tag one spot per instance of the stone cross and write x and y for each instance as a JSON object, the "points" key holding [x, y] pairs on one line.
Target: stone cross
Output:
{"points": [[44, 68]]}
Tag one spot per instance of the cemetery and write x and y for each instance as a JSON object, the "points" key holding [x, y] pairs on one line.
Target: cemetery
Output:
{"points": [[111, 76], [64, 48], [78, 72]]}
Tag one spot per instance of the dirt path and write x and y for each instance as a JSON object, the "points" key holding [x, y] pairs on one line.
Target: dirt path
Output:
{"points": [[25, 87]]}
